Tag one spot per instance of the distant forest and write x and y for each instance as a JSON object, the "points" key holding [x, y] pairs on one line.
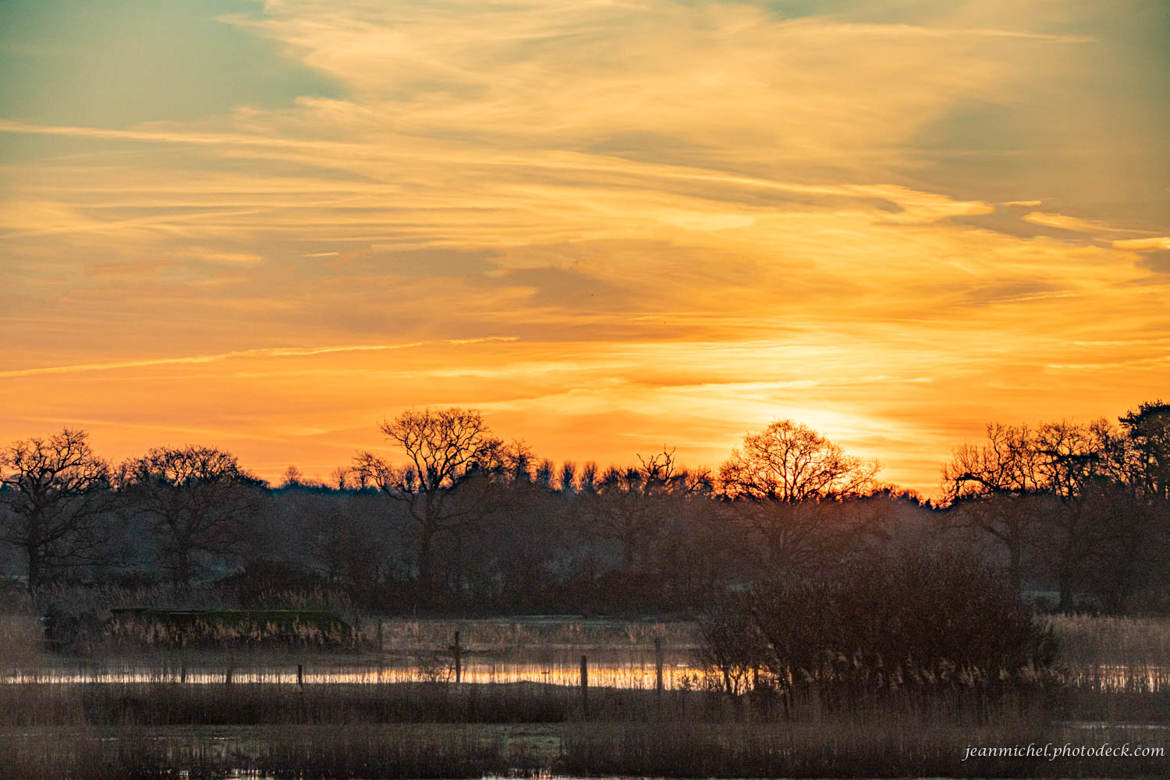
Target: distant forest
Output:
{"points": [[456, 520]]}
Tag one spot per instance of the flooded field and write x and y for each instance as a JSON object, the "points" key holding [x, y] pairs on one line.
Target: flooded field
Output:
{"points": [[392, 707], [632, 655], [627, 671], [604, 669]]}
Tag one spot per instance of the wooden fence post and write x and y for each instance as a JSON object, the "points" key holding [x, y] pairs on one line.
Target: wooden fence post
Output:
{"points": [[458, 658], [585, 685], [658, 686], [301, 675]]}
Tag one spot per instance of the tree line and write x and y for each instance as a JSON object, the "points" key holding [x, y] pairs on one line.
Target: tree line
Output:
{"points": [[458, 519]]}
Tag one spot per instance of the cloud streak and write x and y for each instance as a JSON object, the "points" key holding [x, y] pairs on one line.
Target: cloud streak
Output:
{"points": [[270, 352]]}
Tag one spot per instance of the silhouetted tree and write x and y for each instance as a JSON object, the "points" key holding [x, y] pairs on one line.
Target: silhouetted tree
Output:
{"points": [[1069, 491], [55, 492], [447, 451], [781, 480], [568, 477], [792, 463], [986, 483], [1148, 431], [1117, 481], [1080, 463], [199, 501], [588, 480], [632, 506]]}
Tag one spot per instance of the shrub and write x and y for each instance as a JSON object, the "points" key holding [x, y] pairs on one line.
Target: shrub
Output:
{"points": [[885, 623]]}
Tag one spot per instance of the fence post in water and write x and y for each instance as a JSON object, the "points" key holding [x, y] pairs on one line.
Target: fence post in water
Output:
{"points": [[458, 658], [381, 647], [228, 676], [658, 664], [183, 673], [585, 685], [301, 675]]}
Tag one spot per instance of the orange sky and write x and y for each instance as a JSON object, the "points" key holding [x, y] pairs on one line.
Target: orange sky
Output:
{"points": [[611, 226]]}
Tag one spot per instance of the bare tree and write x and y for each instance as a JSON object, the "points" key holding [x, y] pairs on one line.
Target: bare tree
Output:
{"points": [[447, 450], [781, 480], [1081, 465], [987, 485], [632, 506], [1065, 490], [793, 463], [55, 491], [199, 499]]}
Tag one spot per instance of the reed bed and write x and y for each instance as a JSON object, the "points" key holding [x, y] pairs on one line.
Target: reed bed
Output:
{"points": [[841, 744], [167, 704], [840, 749], [357, 751], [549, 632], [351, 718], [21, 641], [1104, 641]]}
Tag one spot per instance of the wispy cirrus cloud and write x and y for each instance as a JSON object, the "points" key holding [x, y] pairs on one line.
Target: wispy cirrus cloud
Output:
{"points": [[269, 352]]}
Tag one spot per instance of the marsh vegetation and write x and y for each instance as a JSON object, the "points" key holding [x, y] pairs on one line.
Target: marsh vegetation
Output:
{"points": [[1105, 686]]}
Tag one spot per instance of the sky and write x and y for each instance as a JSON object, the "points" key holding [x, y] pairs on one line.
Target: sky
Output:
{"points": [[610, 226]]}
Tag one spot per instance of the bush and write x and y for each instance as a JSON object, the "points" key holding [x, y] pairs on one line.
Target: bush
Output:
{"points": [[885, 623]]}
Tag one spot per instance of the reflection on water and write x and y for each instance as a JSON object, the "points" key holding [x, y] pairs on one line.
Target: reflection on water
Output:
{"points": [[604, 670], [674, 675]]}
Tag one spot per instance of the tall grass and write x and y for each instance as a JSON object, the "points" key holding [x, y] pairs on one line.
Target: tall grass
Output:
{"points": [[33, 705], [529, 633], [1090, 640], [842, 749], [357, 751], [21, 641]]}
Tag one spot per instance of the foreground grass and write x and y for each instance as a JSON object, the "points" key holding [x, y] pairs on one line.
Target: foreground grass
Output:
{"points": [[1101, 640], [444, 730], [579, 748]]}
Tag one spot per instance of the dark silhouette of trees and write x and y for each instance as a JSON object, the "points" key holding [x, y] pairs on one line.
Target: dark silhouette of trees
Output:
{"points": [[1079, 464], [987, 485], [449, 453], [55, 492], [199, 500], [784, 480], [632, 506], [1078, 497], [1134, 509], [1148, 432], [461, 521], [523, 542], [344, 540], [792, 463]]}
